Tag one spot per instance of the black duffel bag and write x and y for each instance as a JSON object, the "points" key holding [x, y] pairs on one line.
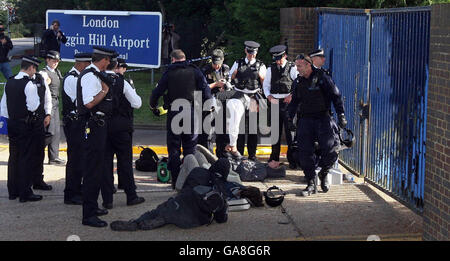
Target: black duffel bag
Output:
{"points": [[148, 160]]}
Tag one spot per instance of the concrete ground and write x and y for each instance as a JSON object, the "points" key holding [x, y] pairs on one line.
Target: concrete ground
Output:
{"points": [[352, 211]]}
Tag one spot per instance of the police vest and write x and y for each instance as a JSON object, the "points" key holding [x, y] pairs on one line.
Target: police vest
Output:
{"points": [[281, 82], [105, 106], [122, 113], [16, 99], [212, 77], [181, 83], [67, 104], [55, 78], [248, 75], [312, 98]]}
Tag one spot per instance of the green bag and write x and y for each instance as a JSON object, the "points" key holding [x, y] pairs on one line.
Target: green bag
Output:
{"points": [[163, 172]]}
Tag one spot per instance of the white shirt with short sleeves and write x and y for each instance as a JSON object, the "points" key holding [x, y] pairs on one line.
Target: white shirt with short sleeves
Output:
{"points": [[32, 97], [267, 81], [90, 85]]}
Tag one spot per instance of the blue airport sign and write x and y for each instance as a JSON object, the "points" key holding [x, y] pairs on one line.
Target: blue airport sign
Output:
{"points": [[136, 36]]}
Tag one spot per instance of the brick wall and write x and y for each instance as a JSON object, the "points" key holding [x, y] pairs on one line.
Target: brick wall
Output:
{"points": [[436, 214], [299, 26]]}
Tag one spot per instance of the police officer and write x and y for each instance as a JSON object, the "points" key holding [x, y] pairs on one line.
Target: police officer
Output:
{"points": [[119, 139], [94, 105], [318, 59], [277, 88], [180, 80], [23, 103], [53, 79], [248, 75], [73, 131], [314, 91], [218, 77]]}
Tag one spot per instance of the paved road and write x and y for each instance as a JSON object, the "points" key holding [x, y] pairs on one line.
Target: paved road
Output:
{"points": [[351, 211], [20, 46]]}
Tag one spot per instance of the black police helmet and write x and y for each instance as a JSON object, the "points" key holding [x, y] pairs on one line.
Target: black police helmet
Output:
{"points": [[274, 196], [350, 140]]}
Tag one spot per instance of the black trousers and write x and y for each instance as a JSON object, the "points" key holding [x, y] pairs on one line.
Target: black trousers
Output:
{"points": [[121, 144], [206, 139], [20, 163], [252, 139], [39, 153], [282, 124], [74, 130], [175, 142], [94, 168], [310, 130]]}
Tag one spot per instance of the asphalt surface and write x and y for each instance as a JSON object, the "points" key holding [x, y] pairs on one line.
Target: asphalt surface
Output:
{"points": [[351, 211]]}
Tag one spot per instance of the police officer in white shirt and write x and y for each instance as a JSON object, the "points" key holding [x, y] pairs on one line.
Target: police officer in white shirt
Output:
{"points": [[277, 88], [248, 75], [26, 106], [119, 139], [74, 131], [94, 105]]}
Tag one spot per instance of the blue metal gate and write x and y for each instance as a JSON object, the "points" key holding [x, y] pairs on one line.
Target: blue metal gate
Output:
{"points": [[387, 107]]}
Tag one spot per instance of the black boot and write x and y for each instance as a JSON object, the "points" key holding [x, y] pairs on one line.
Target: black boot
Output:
{"points": [[309, 189], [324, 184]]}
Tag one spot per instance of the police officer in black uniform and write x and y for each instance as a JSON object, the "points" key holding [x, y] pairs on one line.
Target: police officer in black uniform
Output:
{"points": [[94, 105], [218, 78], [119, 139], [73, 130], [248, 76], [40, 135], [277, 88], [314, 91], [180, 80], [318, 59], [53, 78], [24, 105]]}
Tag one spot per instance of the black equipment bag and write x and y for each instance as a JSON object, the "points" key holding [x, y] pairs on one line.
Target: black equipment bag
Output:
{"points": [[148, 160]]}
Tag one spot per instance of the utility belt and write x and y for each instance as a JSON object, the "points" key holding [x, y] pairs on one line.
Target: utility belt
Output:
{"points": [[72, 116], [257, 96], [31, 118], [316, 115], [98, 117]]}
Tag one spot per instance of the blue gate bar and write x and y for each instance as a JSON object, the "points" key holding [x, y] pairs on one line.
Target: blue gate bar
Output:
{"points": [[388, 49]]}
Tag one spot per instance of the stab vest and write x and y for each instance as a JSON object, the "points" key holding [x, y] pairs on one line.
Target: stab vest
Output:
{"points": [[281, 81], [212, 77], [16, 98], [67, 103], [104, 106], [182, 83], [313, 102], [122, 113], [40, 84], [248, 75]]}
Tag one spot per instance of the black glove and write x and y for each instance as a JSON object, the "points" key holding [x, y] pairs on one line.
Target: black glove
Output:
{"points": [[155, 111], [342, 122], [291, 125]]}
